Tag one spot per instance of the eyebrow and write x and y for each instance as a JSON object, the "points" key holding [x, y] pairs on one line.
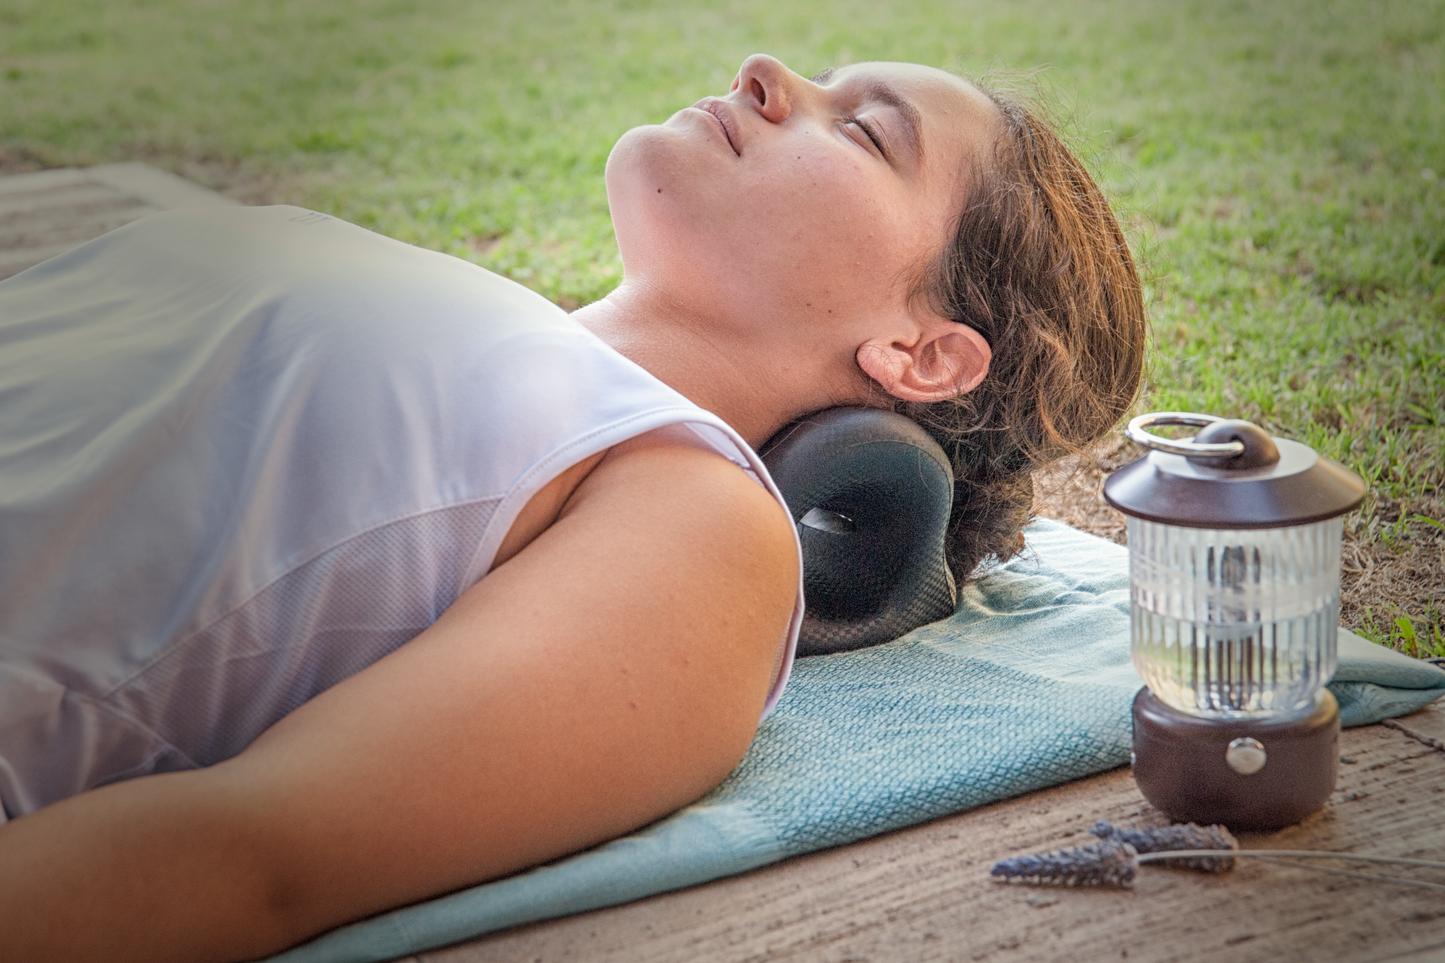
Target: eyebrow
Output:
{"points": [[882, 92]]}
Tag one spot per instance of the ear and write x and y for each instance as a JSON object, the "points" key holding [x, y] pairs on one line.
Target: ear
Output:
{"points": [[944, 360]]}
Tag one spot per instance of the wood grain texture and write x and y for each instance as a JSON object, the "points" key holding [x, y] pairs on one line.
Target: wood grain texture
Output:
{"points": [[924, 893]]}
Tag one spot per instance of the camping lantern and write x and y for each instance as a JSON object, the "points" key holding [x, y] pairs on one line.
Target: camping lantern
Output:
{"points": [[1234, 580]]}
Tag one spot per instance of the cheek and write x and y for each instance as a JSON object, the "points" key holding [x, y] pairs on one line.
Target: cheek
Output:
{"points": [[831, 220], [814, 226], [817, 192]]}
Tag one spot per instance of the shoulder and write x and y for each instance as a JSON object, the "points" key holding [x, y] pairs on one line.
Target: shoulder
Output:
{"points": [[689, 497], [686, 542]]}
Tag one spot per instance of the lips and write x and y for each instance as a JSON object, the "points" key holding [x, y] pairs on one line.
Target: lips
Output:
{"points": [[723, 115]]}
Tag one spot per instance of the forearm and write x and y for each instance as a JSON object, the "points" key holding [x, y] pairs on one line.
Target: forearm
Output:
{"points": [[153, 869]]}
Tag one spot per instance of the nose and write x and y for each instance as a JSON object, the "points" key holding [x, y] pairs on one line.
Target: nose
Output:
{"points": [[768, 86]]}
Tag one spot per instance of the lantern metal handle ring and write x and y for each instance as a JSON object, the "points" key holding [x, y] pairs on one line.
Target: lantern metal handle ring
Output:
{"points": [[1183, 446]]}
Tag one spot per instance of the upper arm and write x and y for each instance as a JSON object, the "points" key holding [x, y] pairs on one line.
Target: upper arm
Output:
{"points": [[610, 672]]}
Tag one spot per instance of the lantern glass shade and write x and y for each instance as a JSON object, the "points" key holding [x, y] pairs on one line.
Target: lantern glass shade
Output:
{"points": [[1235, 623]]}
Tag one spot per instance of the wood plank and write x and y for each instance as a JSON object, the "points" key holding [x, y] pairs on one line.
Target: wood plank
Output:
{"points": [[75, 216], [158, 188], [924, 893], [20, 208], [46, 213], [42, 180]]}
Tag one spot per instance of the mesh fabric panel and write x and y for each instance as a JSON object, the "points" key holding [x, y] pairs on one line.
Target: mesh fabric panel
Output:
{"points": [[213, 693]]}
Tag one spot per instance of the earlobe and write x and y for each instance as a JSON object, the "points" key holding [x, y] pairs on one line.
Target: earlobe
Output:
{"points": [[950, 360]]}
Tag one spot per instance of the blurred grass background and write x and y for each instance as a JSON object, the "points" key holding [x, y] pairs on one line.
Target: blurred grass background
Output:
{"points": [[1280, 167]]}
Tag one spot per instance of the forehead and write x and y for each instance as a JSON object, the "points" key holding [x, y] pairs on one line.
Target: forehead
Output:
{"points": [[914, 76]]}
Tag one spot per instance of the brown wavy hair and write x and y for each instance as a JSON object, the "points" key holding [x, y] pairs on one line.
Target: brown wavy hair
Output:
{"points": [[1039, 266]]}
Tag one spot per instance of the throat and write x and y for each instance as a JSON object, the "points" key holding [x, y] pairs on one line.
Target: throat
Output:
{"points": [[740, 381]]}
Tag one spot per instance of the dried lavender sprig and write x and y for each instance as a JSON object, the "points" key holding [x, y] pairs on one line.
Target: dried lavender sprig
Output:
{"points": [[1108, 862], [1168, 843], [1181, 836]]}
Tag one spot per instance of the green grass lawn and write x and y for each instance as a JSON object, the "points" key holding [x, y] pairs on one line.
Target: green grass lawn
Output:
{"points": [[1281, 167]]}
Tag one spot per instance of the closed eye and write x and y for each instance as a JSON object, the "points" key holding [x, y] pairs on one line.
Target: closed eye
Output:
{"points": [[872, 135]]}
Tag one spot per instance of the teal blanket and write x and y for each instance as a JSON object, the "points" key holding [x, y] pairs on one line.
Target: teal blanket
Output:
{"points": [[1028, 685]]}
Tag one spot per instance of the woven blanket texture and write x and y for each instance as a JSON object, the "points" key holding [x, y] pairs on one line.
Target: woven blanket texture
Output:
{"points": [[1027, 685]]}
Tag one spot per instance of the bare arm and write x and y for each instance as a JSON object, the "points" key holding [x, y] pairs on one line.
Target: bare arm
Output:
{"points": [[609, 673]]}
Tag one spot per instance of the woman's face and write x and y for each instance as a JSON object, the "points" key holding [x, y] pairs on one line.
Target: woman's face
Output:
{"points": [[807, 205]]}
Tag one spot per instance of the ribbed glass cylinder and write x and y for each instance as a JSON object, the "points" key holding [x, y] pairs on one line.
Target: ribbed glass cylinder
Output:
{"points": [[1230, 623]]}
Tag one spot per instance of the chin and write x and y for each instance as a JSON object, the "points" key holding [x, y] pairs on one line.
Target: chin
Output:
{"points": [[648, 158], [661, 198]]}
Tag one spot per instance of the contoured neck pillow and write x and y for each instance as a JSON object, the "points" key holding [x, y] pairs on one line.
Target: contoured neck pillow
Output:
{"points": [[870, 492]]}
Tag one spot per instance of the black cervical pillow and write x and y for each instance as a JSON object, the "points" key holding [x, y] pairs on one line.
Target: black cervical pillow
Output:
{"points": [[870, 492]]}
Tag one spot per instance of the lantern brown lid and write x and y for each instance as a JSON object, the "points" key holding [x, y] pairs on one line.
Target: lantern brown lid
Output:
{"points": [[1230, 475]]}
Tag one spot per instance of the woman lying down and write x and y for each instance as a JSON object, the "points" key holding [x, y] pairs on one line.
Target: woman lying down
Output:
{"points": [[336, 574]]}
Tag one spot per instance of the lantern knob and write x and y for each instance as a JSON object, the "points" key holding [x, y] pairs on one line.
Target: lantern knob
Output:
{"points": [[1222, 443], [1259, 449]]}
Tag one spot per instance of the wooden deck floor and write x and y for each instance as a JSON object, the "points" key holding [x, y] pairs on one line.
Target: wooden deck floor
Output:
{"points": [[924, 894]]}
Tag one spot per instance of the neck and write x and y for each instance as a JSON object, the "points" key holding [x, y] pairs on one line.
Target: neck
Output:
{"points": [[755, 387]]}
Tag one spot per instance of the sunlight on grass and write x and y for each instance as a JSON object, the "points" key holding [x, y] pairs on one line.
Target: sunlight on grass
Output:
{"points": [[1280, 165]]}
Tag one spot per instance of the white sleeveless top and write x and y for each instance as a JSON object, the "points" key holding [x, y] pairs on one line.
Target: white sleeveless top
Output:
{"points": [[244, 454]]}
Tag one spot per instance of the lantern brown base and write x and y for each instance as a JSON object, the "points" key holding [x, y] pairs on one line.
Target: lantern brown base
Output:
{"points": [[1181, 767]]}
